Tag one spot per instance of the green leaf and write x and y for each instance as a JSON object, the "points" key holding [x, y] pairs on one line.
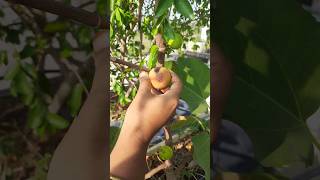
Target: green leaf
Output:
{"points": [[165, 152], [184, 8], [23, 87], [27, 51], [30, 69], [153, 57], [195, 76], [201, 151], [36, 114], [181, 126], [12, 72], [3, 58], [84, 35], [277, 68], [54, 27], [113, 136], [57, 121], [75, 100], [168, 32], [102, 7], [1, 14], [13, 36], [163, 6], [118, 16], [66, 53]]}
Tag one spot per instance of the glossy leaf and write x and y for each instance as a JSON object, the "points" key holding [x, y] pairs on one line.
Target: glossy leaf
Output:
{"points": [[27, 51], [3, 57], [57, 121], [36, 114], [75, 100], [153, 57], [277, 69], [13, 36], [55, 27], [201, 151], [23, 87], [163, 6], [195, 76], [165, 152], [168, 32], [113, 136], [102, 7], [184, 8]]}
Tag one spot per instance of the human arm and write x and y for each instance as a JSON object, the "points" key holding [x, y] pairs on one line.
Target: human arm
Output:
{"points": [[83, 152], [148, 112]]}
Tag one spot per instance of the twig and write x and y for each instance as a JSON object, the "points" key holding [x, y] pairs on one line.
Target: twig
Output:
{"points": [[62, 93], [154, 171], [139, 26], [168, 135], [26, 19], [67, 11], [162, 48], [131, 65], [75, 71], [11, 110]]}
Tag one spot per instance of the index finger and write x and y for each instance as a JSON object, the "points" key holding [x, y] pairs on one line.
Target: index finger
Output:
{"points": [[176, 86]]}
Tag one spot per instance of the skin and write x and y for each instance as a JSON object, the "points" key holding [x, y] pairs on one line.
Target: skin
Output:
{"points": [[83, 152], [221, 81], [148, 112]]}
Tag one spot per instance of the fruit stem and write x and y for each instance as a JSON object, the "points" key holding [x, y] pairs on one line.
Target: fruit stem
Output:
{"points": [[161, 51]]}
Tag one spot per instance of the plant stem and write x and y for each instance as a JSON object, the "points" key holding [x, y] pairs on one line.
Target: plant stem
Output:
{"points": [[131, 65], [162, 48], [67, 11]]}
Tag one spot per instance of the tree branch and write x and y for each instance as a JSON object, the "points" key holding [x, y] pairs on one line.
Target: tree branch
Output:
{"points": [[67, 11], [162, 48], [154, 171], [74, 69], [86, 4], [139, 26], [131, 65]]}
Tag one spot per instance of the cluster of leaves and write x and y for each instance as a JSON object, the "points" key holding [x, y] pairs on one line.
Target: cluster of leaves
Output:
{"points": [[57, 38], [123, 45], [176, 21], [276, 85]]}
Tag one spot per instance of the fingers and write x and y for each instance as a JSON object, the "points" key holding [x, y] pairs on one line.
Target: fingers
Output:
{"points": [[145, 85], [175, 88]]}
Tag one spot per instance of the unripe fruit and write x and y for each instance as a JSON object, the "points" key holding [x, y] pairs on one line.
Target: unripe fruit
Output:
{"points": [[160, 77]]}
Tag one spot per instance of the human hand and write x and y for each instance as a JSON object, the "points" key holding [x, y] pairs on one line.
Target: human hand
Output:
{"points": [[151, 110]]}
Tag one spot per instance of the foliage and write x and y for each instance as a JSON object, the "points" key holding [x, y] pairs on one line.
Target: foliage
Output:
{"points": [[37, 39], [273, 47], [178, 22]]}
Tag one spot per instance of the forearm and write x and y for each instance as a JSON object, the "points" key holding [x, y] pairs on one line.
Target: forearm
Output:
{"points": [[83, 152], [128, 157]]}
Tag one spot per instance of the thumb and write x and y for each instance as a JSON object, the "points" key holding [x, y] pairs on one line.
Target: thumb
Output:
{"points": [[145, 84]]}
